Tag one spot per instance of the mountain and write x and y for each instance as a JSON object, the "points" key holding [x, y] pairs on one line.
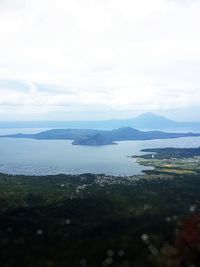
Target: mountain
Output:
{"points": [[150, 120], [144, 121], [100, 137]]}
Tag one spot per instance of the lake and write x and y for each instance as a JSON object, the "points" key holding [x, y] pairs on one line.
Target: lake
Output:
{"points": [[42, 157]]}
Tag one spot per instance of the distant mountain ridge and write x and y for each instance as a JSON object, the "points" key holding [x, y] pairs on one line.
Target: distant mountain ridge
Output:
{"points": [[100, 137], [143, 121], [150, 120]]}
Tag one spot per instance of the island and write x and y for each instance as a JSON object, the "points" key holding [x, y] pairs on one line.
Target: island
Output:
{"points": [[92, 137], [94, 140]]}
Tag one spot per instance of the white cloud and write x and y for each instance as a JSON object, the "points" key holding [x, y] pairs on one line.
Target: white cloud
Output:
{"points": [[115, 55]]}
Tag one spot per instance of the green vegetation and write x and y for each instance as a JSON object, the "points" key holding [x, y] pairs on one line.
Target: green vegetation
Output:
{"points": [[170, 153], [171, 160], [97, 220], [69, 220]]}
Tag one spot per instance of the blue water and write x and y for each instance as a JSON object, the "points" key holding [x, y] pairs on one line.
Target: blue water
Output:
{"points": [[27, 156]]}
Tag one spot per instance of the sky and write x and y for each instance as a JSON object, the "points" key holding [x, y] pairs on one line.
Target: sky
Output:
{"points": [[99, 59]]}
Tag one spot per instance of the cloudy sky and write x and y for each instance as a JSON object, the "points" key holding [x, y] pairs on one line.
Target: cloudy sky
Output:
{"points": [[99, 59]]}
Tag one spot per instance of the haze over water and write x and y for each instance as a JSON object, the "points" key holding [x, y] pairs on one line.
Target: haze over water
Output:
{"points": [[42, 157]]}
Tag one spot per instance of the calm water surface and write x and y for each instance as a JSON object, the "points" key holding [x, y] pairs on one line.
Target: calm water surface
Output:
{"points": [[27, 156]]}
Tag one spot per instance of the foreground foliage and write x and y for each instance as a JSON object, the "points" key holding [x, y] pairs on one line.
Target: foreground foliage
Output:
{"points": [[98, 220]]}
